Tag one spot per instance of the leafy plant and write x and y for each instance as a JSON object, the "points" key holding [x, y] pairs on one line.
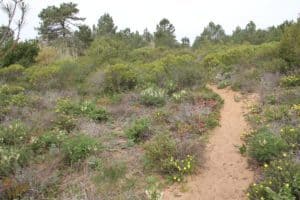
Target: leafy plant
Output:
{"points": [[153, 96], [139, 130], [264, 146], [281, 181], [14, 134], [79, 147]]}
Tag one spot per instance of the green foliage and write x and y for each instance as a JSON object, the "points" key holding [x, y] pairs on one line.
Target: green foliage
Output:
{"points": [[24, 53], [78, 148], [106, 50], [273, 112], [164, 35], [280, 182], [291, 135], [264, 146], [290, 81], [213, 33], [42, 77], [153, 96], [85, 108], [120, 77], [106, 25], [180, 96], [177, 169], [11, 95], [16, 133], [139, 130], [65, 122], [84, 34], [12, 72], [158, 151], [57, 22], [290, 45], [12, 158], [48, 140]]}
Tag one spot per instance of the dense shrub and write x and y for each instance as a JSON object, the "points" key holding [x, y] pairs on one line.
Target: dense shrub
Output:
{"points": [[24, 54], [290, 81], [281, 181], [158, 151], [273, 112], [139, 130], [12, 158], [264, 146], [42, 77], [14, 134], [291, 135], [47, 140], [12, 72], [290, 45], [85, 108], [107, 50], [79, 147], [153, 96], [120, 77]]}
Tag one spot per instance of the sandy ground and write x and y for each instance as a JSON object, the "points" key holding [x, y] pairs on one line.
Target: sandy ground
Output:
{"points": [[225, 175]]}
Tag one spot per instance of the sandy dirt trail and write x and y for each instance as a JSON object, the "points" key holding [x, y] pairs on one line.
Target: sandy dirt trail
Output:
{"points": [[225, 174]]}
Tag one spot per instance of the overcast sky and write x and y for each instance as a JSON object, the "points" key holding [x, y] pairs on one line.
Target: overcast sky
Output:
{"points": [[188, 16]]}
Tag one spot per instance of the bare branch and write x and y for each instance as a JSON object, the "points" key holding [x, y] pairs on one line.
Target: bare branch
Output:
{"points": [[11, 9]]}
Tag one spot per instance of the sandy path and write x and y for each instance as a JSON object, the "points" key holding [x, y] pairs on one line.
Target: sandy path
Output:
{"points": [[225, 175]]}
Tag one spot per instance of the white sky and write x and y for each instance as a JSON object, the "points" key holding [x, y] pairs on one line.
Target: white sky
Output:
{"points": [[188, 16]]}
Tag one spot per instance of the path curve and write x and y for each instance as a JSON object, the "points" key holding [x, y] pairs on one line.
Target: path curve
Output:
{"points": [[225, 175]]}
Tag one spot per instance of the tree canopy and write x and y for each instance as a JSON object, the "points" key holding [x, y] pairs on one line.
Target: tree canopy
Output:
{"points": [[164, 35], [57, 22]]}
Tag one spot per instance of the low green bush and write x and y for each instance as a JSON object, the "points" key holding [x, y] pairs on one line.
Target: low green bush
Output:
{"points": [[175, 160], [86, 108], [47, 140], [79, 147], [12, 72], [14, 134], [158, 151], [153, 96], [291, 135], [42, 77], [180, 96], [290, 81], [274, 113], [12, 158], [65, 122], [139, 130], [120, 77], [280, 181], [264, 146]]}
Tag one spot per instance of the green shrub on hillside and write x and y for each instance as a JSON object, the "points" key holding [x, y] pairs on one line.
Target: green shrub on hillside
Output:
{"points": [[14, 134], [153, 96], [120, 77], [85, 108], [139, 130], [274, 113], [280, 181], [42, 77], [158, 151], [264, 146], [12, 158], [49, 139], [290, 81], [78, 148], [12, 72], [290, 45]]}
